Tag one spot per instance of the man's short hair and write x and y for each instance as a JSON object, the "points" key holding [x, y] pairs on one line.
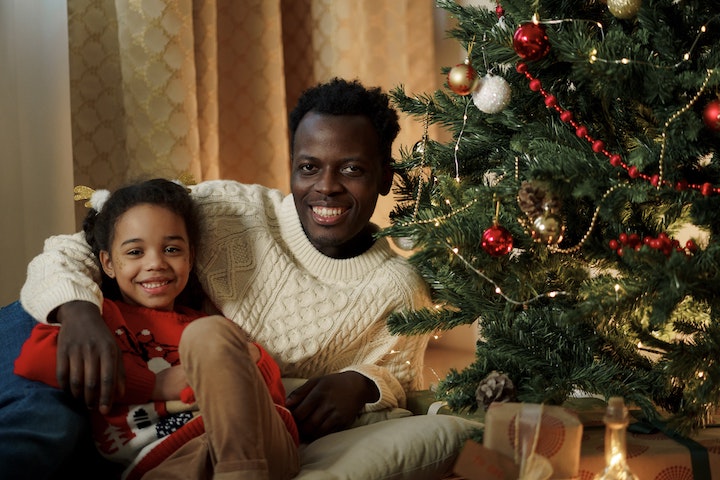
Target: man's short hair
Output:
{"points": [[343, 97]]}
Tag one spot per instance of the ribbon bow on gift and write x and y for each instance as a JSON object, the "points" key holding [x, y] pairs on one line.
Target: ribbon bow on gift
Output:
{"points": [[533, 466]]}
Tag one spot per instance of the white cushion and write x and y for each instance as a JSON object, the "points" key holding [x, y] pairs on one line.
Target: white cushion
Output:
{"points": [[391, 444], [417, 447]]}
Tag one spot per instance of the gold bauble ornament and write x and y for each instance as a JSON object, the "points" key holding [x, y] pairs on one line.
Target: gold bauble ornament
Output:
{"points": [[548, 228], [462, 78], [624, 9]]}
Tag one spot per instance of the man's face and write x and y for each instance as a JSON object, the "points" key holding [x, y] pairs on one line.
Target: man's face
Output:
{"points": [[337, 175]]}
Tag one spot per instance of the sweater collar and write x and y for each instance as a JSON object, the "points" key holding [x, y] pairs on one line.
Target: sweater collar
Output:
{"points": [[320, 265]]}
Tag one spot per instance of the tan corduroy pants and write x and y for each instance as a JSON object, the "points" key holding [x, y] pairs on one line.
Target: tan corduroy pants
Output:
{"points": [[244, 436]]}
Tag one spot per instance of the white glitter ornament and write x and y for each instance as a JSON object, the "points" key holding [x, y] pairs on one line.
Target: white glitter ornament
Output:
{"points": [[492, 94]]}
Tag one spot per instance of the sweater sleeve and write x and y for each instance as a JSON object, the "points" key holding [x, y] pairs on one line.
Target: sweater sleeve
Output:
{"points": [[37, 359], [395, 362], [271, 374], [63, 272]]}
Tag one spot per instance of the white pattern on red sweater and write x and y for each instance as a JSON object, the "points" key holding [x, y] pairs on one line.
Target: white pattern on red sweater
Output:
{"points": [[140, 433]]}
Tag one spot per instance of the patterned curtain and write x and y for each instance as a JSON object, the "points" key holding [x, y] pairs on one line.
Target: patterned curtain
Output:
{"points": [[165, 87]]}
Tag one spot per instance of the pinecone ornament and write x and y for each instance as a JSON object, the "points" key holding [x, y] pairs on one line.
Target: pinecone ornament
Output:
{"points": [[536, 200], [496, 387]]}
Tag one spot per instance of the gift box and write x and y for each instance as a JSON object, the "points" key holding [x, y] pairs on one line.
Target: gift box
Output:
{"points": [[518, 430], [653, 452]]}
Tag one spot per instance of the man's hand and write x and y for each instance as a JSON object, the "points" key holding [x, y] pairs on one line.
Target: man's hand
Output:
{"points": [[88, 361], [331, 403]]}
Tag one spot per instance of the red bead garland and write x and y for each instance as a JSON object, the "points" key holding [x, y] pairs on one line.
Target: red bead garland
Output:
{"points": [[598, 146], [661, 243]]}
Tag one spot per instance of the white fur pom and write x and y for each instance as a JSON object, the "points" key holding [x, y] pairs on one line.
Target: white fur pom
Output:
{"points": [[98, 199]]}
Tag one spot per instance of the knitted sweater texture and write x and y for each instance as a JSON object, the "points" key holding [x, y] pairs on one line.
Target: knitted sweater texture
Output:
{"points": [[314, 314]]}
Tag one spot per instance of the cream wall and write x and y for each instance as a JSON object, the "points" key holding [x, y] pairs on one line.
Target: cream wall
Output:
{"points": [[35, 149]]}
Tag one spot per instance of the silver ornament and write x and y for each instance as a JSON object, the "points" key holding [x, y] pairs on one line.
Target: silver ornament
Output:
{"points": [[404, 243]]}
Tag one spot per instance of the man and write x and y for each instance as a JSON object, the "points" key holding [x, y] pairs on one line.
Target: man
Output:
{"points": [[302, 274]]}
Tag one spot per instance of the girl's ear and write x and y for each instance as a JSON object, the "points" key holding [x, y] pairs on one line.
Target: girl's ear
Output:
{"points": [[106, 262]]}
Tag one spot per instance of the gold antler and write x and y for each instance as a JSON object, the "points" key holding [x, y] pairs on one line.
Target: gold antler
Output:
{"points": [[83, 192]]}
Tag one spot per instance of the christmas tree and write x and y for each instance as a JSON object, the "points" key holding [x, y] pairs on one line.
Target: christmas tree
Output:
{"points": [[574, 214]]}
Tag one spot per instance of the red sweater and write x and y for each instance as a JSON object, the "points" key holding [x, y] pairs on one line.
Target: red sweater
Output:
{"points": [[138, 430]]}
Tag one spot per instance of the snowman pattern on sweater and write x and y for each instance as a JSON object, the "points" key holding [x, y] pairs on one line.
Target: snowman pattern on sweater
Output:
{"points": [[130, 428]]}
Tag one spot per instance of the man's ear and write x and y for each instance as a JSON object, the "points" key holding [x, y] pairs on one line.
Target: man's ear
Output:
{"points": [[387, 178], [106, 263]]}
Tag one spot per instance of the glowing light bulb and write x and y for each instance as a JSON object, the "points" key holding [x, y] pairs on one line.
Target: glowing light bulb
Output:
{"points": [[616, 423]]}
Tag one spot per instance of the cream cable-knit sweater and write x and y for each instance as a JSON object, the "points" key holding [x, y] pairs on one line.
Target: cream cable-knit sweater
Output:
{"points": [[314, 314]]}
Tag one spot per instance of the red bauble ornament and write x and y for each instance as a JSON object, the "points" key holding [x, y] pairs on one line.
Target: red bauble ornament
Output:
{"points": [[462, 78], [530, 41], [497, 241], [711, 115]]}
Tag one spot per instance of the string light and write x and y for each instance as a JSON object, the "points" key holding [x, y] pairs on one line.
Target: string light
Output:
{"points": [[497, 288], [423, 164], [572, 20], [592, 56], [437, 220], [457, 143]]}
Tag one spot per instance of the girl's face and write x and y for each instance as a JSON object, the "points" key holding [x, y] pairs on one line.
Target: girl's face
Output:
{"points": [[150, 256]]}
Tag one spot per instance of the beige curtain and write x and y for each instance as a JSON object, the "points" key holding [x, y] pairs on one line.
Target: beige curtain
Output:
{"points": [[165, 87]]}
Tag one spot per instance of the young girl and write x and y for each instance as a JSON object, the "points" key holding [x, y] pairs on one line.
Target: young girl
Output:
{"points": [[144, 236]]}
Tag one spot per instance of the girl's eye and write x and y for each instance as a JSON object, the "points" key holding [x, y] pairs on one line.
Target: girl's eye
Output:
{"points": [[134, 252], [172, 250]]}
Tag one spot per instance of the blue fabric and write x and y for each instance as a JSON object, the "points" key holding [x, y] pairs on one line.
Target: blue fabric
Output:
{"points": [[42, 429]]}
